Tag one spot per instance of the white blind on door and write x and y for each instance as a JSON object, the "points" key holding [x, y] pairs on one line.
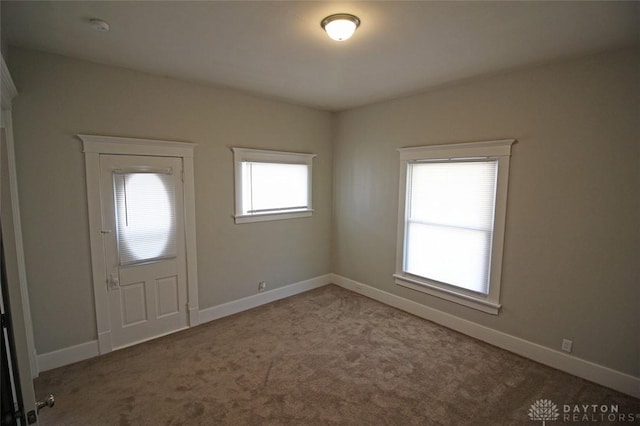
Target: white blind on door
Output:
{"points": [[449, 228], [145, 216]]}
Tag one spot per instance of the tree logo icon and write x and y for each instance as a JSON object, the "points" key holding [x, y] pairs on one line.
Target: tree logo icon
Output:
{"points": [[543, 409]]}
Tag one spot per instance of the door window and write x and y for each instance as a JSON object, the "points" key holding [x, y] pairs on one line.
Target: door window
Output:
{"points": [[145, 217]]}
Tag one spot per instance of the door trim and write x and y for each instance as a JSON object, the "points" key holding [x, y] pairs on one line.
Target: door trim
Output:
{"points": [[93, 147], [7, 92]]}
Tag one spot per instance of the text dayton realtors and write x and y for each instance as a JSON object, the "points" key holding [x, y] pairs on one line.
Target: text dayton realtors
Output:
{"points": [[596, 413]]}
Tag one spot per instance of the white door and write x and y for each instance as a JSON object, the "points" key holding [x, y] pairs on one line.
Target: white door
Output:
{"points": [[144, 246]]}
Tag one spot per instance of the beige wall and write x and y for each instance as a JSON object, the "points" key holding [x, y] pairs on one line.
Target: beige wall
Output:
{"points": [[571, 256], [572, 237], [59, 98]]}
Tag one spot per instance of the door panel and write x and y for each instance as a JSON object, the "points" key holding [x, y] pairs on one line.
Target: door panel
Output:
{"points": [[167, 296], [134, 304], [143, 237]]}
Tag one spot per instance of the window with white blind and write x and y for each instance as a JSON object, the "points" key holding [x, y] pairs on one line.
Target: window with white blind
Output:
{"points": [[145, 216], [451, 221], [272, 185]]}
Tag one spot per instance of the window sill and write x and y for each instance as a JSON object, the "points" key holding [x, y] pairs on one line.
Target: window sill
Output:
{"points": [[271, 216], [478, 303]]}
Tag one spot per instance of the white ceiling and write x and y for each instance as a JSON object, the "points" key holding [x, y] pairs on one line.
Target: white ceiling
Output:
{"points": [[277, 48]]}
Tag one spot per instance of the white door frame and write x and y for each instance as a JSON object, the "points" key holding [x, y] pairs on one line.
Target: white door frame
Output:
{"points": [[7, 93], [93, 146], [23, 331]]}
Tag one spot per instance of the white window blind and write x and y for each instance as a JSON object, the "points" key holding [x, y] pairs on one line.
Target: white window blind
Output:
{"points": [[449, 222], [145, 216], [274, 187]]}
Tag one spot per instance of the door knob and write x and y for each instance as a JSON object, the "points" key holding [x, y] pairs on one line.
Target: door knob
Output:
{"points": [[49, 401], [114, 281]]}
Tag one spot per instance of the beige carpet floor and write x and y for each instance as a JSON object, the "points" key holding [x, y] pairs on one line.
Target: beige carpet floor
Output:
{"points": [[328, 356]]}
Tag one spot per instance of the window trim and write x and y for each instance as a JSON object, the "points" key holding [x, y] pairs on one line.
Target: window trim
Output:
{"points": [[496, 149], [241, 155]]}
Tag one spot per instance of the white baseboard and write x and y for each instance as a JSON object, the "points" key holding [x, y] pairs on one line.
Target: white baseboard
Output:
{"points": [[67, 356], [235, 306], [588, 370]]}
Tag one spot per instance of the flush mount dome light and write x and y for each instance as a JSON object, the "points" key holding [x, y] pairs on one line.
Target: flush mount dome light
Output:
{"points": [[99, 25], [340, 26]]}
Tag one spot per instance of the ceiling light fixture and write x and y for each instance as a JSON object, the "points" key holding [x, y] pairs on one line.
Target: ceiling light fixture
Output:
{"points": [[340, 26], [99, 25]]}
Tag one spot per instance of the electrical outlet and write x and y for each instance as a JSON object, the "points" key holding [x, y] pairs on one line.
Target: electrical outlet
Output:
{"points": [[567, 345], [262, 285]]}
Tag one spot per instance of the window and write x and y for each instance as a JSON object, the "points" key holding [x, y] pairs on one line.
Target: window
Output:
{"points": [[145, 216], [271, 185], [451, 221]]}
